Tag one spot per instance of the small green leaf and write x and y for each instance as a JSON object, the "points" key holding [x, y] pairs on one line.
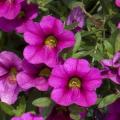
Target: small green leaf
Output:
{"points": [[42, 102], [47, 110], [109, 48], [75, 109], [71, 26], [75, 4], [8, 109], [21, 107], [75, 116], [82, 54], [108, 100], [78, 42], [117, 43]]}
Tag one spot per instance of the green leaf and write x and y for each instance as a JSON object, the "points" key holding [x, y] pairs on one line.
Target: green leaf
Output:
{"points": [[75, 109], [108, 100], [47, 110], [71, 26], [21, 107], [82, 54], [42, 102], [109, 48], [117, 43], [78, 42], [75, 116], [106, 5], [8, 109], [75, 4]]}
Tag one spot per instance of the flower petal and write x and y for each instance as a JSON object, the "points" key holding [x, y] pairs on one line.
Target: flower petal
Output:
{"points": [[107, 62], [58, 77], [33, 34], [86, 98], [92, 80], [51, 25], [65, 39], [116, 58], [117, 2], [10, 59], [70, 66], [41, 84], [41, 54], [9, 10], [8, 92], [25, 81], [93, 74], [83, 67], [3, 71], [62, 97], [8, 25]]}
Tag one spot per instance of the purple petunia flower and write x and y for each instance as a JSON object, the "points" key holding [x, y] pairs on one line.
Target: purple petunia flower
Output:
{"points": [[10, 65], [28, 116], [117, 2], [114, 111], [19, 23], [75, 82], [9, 9], [111, 68], [76, 16], [34, 76], [46, 40]]}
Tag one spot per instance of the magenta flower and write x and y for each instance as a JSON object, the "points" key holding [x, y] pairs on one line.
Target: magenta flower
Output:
{"points": [[117, 2], [46, 40], [10, 65], [111, 68], [28, 116], [114, 111], [19, 23], [34, 76], [76, 16], [9, 9], [75, 82]]}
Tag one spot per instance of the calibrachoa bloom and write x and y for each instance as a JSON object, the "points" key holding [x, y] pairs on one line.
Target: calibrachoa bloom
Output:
{"points": [[77, 16], [46, 40], [9, 9], [117, 2], [114, 111], [34, 76], [28, 116], [10, 65], [75, 82], [19, 23], [111, 68]]}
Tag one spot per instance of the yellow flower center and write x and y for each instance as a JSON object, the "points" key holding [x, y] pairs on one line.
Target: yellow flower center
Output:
{"points": [[51, 41], [45, 72], [74, 82], [12, 75]]}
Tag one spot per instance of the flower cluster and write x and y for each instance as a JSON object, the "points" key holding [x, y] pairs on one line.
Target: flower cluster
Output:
{"points": [[111, 68], [66, 80]]}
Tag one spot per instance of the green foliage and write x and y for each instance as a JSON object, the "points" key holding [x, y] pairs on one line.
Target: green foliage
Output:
{"points": [[42, 102], [8, 109], [107, 100]]}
